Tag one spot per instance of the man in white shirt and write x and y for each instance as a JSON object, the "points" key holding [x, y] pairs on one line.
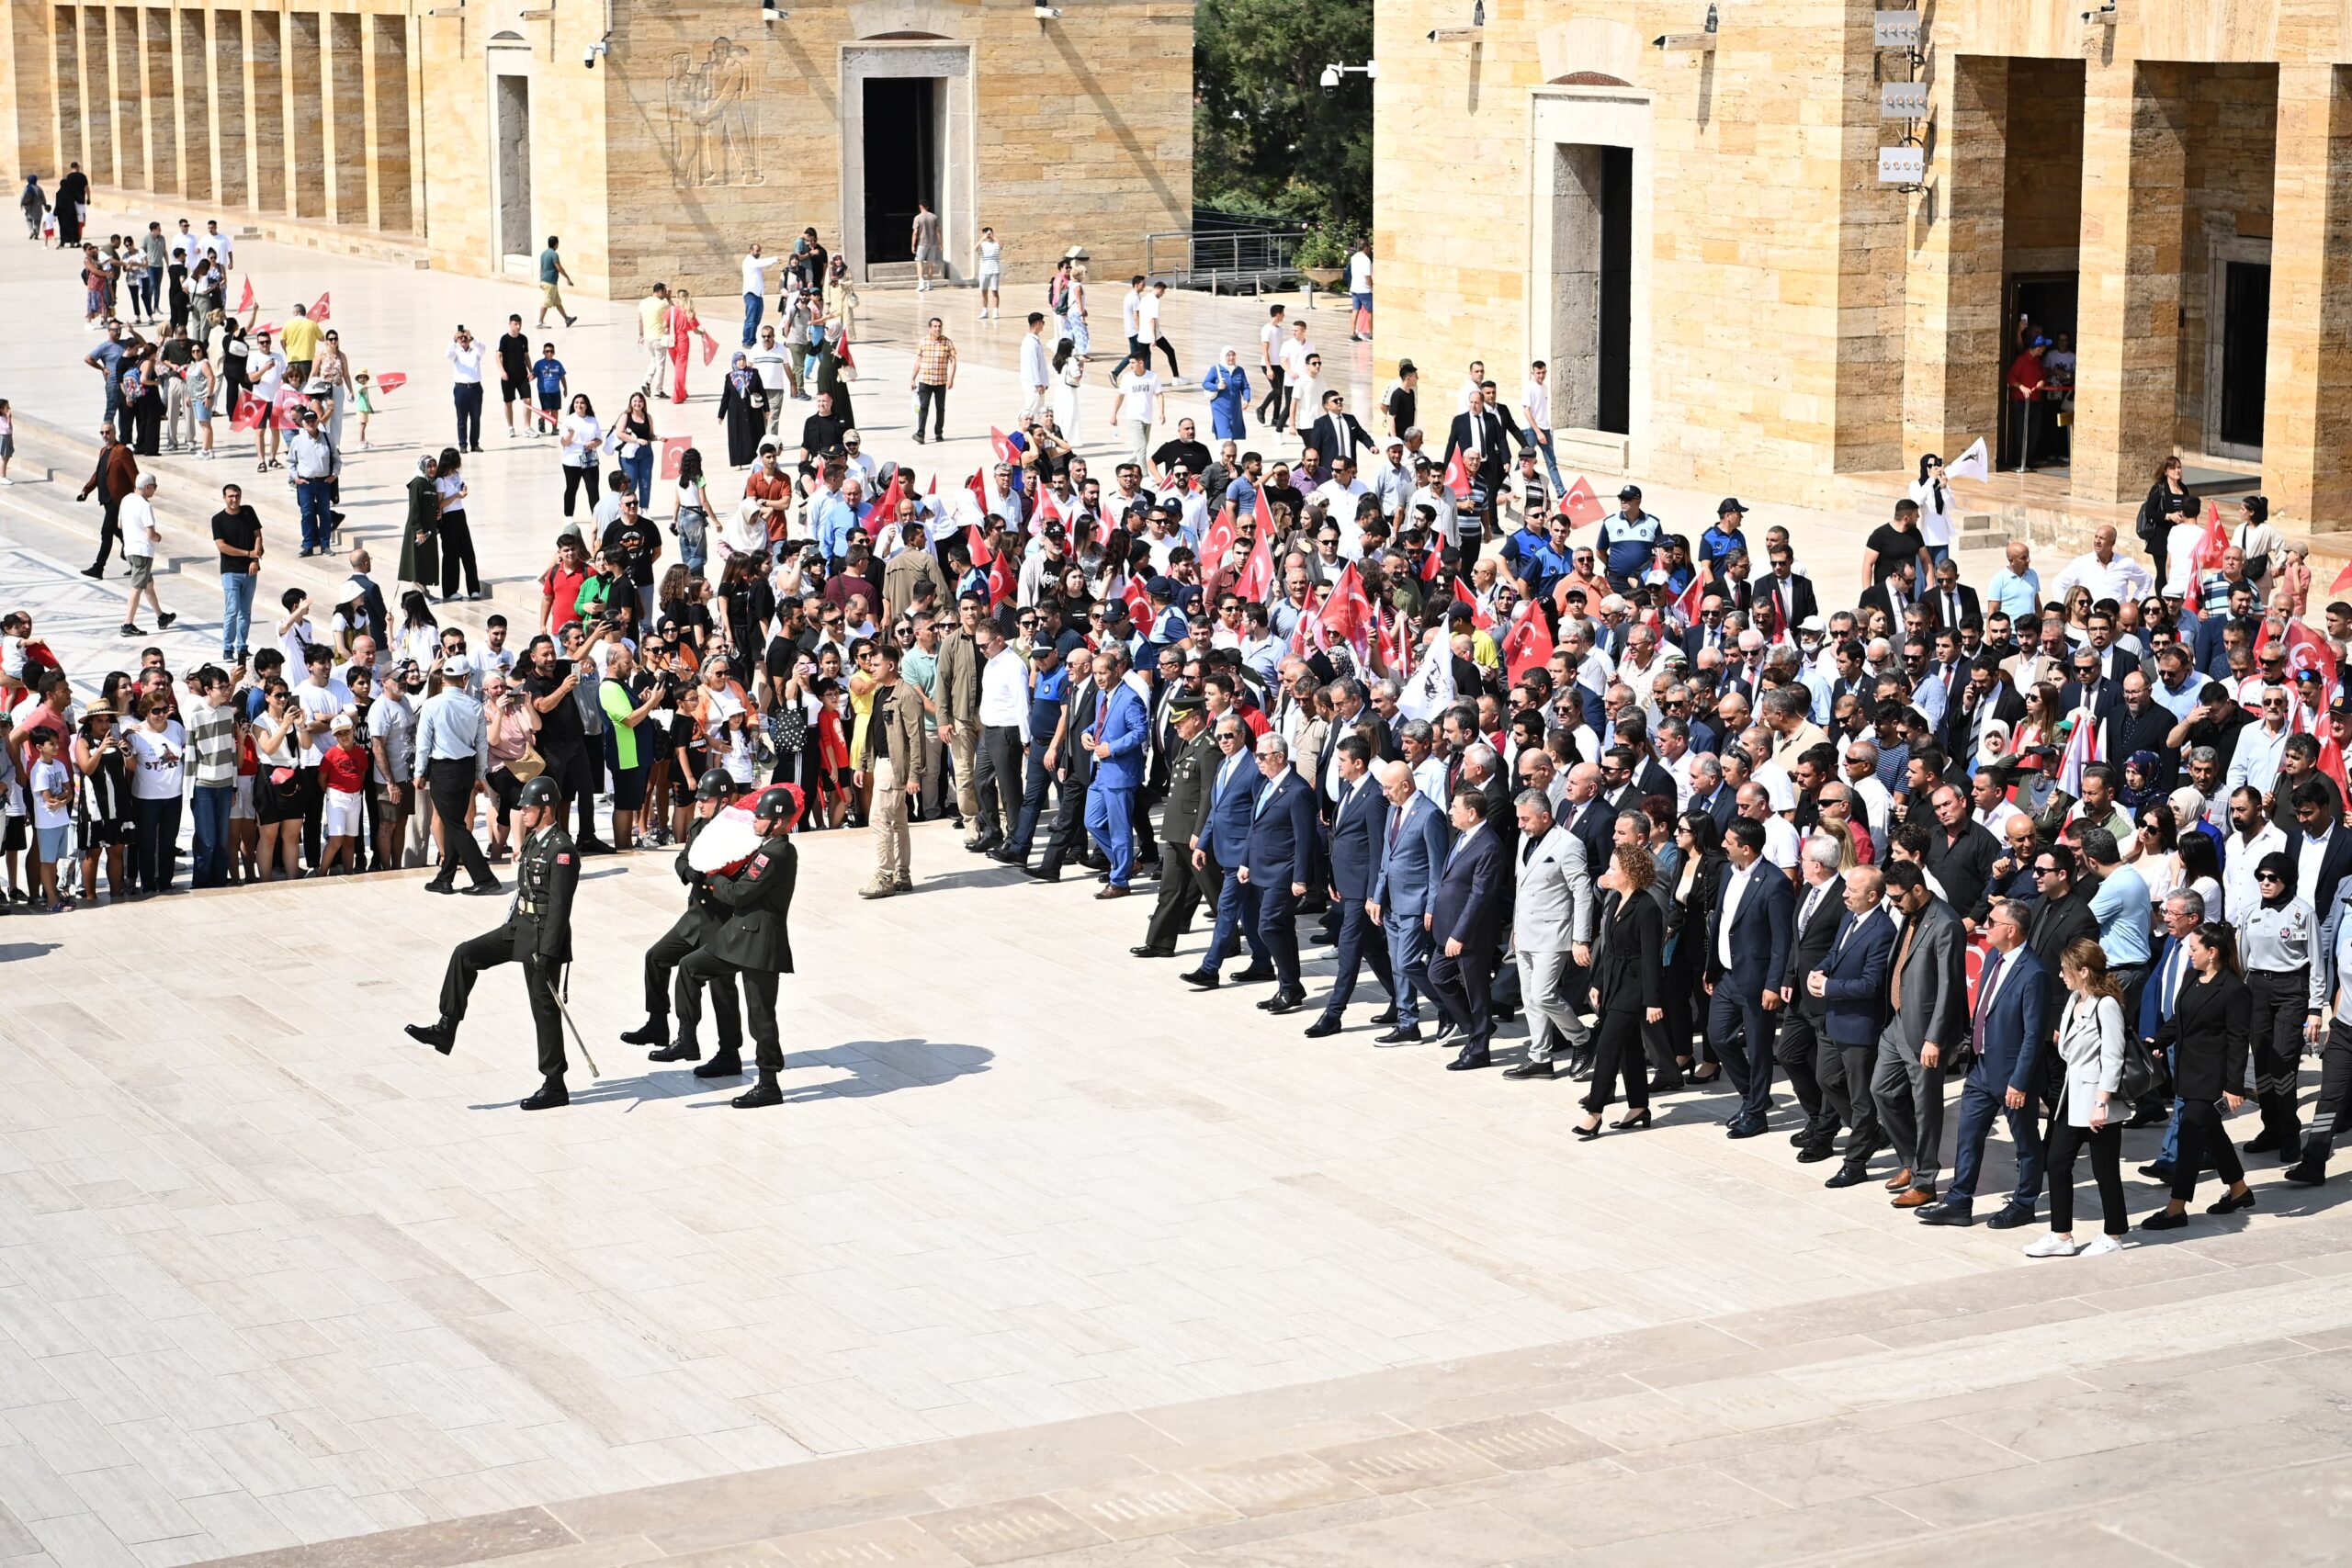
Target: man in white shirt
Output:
{"points": [[1137, 406], [1535, 411], [139, 537], [465, 358], [2105, 573], [1339, 495], [2255, 762], [756, 290], [1004, 730], [1037, 368], [1293, 353], [1360, 292], [2253, 836], [768, 363]]}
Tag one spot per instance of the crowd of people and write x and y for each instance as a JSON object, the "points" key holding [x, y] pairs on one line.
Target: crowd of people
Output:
{"points": [[1706, 816]]}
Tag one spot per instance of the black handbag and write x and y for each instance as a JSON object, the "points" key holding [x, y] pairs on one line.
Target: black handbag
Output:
{"points": [[2142, 1074]]}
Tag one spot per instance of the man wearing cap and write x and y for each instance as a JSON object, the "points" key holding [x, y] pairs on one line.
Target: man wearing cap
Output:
{"points": [[1724, 537], [1627, 540], [690, 934], [311, 460], [754, 942], [452, 757], [538, 935], [1192, 763]]}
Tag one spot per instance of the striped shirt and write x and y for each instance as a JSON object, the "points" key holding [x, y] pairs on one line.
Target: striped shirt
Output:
{"points": [[212, 744]]}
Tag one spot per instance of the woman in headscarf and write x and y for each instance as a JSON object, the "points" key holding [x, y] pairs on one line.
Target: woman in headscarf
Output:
{"points": [[742, 408], [421, 538], [1228, 385], [35, 205]]}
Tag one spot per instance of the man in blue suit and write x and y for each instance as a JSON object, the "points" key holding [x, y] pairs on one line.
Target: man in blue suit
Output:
{"points": [[2184, 911], [1852, 984], [1117, 743], [1277, 862], [1748, 951], [1404, 888], [2008, 1027], [1357, 823], [1465, 922], [1222, 842]]}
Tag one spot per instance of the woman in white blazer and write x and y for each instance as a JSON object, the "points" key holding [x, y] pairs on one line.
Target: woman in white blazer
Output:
{"points": [[2090, 1039]]}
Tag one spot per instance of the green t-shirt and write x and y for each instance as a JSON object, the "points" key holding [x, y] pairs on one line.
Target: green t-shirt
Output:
{"points": [[615, 699], [547, 267]]}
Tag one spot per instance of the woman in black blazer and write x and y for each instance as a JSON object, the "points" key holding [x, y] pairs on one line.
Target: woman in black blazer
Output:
{"points": [[1629, 986], [2209, 1034], [1701, 840]]}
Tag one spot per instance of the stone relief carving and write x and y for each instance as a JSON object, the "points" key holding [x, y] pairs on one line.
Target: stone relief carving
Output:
{"points": [[713, 117]]}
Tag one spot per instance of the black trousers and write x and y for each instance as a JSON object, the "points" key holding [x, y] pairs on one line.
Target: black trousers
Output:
{"points": [[1275, 402], [109, 533], [1066, 835], [1743, 1032], [457, 553], [450, 782], [1463, 986], [1797, 1050], [2107, 1169], [700, 967], [1362, 941], [2277, 1032], [996, 778], [2204, 1137], [1183, 887], [315, 806], [2332, 1112], [574, 479], [664, 957], [488, 951], [1278, 929], [1867, 1137], [931, 400], [1617, 1052]]}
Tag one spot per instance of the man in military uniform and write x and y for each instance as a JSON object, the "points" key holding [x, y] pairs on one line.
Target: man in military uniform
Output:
{"points": [[538, 935], [694, 929], [755, 942], [1191, 762]]}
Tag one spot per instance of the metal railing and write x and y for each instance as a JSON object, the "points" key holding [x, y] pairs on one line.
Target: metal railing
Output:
{"points": [[1223, 259]]}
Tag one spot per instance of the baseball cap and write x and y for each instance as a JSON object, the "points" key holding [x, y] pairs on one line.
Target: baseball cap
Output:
{"points": [[458, 666], [1728, 504], [1631, 493]]}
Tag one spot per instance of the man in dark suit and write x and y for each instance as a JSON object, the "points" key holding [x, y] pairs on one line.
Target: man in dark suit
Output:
{"points": [[1746, 963], [1897, 594], [1182, 885], [1585, 815], [1952, 602], [2140, 723], [1850, 984], [2008, 1027], [1219, 847], [1335, 435], [1802, 1051], [1465, 922], [1358, 823], [2086, 687], [1404, 888], [1276, 864], [2317, 827], [1479, 436], [1790, 594], [1926, 1027]]}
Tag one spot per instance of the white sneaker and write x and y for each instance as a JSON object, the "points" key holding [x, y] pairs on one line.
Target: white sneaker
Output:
{"points": [[2052, 1246], [2100, 1243]]}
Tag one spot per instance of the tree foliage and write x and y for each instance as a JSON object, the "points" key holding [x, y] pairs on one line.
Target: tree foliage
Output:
{"points": [[1266, 138]]}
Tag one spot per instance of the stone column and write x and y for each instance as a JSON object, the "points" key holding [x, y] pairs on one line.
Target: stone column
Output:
{"points": [[97, 96], [2135, 125], [69, 129], [303, 48], [2307, 395], [128, 100], [200, 177], [1952, 297], [265, 101], [233, 131], [159, 99]]}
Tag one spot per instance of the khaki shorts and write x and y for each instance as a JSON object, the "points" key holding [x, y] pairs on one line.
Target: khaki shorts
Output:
{"points": [[552, 293], [142, 570]]}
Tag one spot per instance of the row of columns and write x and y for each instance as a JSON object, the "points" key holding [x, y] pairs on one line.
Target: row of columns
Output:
{"points": [[304, 114], [2128, 338]]}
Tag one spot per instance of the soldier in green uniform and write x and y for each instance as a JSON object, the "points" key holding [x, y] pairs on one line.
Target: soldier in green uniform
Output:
{"points": [[1192, 763], [755, 942], [694, 929], [538, 935]]}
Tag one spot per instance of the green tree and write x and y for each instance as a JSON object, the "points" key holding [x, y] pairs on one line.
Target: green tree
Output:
{"points": [[1266, 138]]}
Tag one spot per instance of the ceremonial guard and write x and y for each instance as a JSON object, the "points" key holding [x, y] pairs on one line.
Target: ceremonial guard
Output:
{"points": [[1192, 760], [756, 943], [538, 935], [701, 921]]}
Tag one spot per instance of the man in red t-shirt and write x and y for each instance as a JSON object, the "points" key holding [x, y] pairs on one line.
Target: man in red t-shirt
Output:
{"points": [[559, 586], [770, 486], [2026, 381]]}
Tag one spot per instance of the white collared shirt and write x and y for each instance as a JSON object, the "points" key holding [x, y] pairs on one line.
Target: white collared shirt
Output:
{"points": [[1727, 898]]}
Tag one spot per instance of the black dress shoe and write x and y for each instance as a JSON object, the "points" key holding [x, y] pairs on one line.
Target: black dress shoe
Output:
{"points": [[1814, 1154], [2148, 1116], [440, 1036], [551, 1094], [1410, 1034], [1206, 979], [728, 1064], [487, 889], [1286, 1001], [685, 1050], [1466, 1062], [1849, 1176], [1321, 1029], [1008, 856], [1661, 1084], [1385, 1018], [2230, 1205], [1744, 1129], [2011, 1217], [652, 1031], [1529, 1071], [2304, 1173], [1038, 872], [763, 1092], [2156, 1170], [437, 885], [2266, 1144], [1255, 974], [594, 847], [2164, 1220], [1947, 1212], [1148, 950]]}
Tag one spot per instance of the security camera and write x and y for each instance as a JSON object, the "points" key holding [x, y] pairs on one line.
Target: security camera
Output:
{"points": [[1330, 78], [773, 14], [588, 56]]}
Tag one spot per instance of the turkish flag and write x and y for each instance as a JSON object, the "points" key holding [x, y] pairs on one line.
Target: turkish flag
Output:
{"points": [[1580, 506], [2207, 556], [976, 545], [2342, 579], [1138, 599], [1048, 508], [1688, 605], [391, 381], [1457, 475], [1257, 568], [885, 506], [847, 363], [1387, 643], [710, 347], [319, 310], [673, 452], [249, 412], [1003, 444], [1528, 644], [1002, 581], [247, 303], [1480, 617], [2331, 763], [289, 406], [1431, 563], [1347, 615], [1264, 515], [1218, 540]]}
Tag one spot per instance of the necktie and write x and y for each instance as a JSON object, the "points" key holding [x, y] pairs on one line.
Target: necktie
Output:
{"points": [[2172, 966], [1812, 902], [1396, 821], [1984, 1000], [1902, 957], [1846, 931]]}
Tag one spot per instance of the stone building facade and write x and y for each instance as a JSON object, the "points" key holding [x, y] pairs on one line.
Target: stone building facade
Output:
{"points": [[465, 132], [1690, 225]]}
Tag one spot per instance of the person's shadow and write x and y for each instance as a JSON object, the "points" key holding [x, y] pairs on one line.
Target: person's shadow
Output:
{"points": [[864, 1068], [18, 951]]}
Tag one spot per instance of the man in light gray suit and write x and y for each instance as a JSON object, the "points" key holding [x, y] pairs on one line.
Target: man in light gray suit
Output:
{"points": [[1412, 849], [1551, 927], [1925, 1030]]}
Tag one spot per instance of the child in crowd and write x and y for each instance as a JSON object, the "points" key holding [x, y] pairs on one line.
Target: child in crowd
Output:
{"points": [[342, 773], [364, 400], [53, 792]]}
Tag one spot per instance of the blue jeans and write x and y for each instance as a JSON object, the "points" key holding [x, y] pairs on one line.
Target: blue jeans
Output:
{"points": [[236, 611], [1110, 822], [2170, 1152], [1408, 961], [1551, 463], [1980, 1103], [639, 469], [1237, 911], [318, 523], [211, 804], [754, 306]]}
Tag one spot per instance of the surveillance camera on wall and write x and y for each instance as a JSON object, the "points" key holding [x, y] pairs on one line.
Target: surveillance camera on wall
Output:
{"points": [[589, 55], [773, 14], [1330, 79]]}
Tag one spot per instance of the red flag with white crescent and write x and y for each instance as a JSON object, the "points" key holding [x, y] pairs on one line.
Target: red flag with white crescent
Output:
{"points": [[1457, 475], [1480, 617], [319, 310], [2207, 556], [1581, 505], [1256, 568], [247, 303], [977, 544], [1528, 644]]}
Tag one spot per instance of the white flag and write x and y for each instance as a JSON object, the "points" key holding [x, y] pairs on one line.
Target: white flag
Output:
{"points": [[1430, 690], [1973, 463]]}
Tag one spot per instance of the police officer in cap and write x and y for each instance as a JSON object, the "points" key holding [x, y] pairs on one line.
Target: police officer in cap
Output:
{"points": [[1191, 764], [756, 943], [694, 929], [538, 935]]}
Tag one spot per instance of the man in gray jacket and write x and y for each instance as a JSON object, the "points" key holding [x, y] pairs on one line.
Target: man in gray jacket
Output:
{"points": [[2328, 1028], [1551, 930], [1926, 1031]]}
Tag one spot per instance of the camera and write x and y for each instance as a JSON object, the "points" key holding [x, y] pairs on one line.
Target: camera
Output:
{"points": [[589, 56]]}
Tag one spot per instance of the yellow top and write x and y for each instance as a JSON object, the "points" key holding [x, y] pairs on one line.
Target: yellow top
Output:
{"points": [[301, 338]]}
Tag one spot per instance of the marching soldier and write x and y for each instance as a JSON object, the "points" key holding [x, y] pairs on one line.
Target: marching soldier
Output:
{"points": [[538, 935], [1192, 763], [755, 942], [693, 929]]}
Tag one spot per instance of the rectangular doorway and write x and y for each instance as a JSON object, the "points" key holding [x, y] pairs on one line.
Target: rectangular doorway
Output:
{"points": [[2043, 304], [902, 161], [2244, 326], [514, 168], [1593, 281]]}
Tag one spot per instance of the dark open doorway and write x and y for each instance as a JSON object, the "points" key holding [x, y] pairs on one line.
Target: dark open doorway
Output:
{"points": [[902, 161], [2245, 351], [1615, 365], [2043, 302]]}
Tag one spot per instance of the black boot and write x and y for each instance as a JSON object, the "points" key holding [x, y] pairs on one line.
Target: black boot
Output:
{"points": [[728, 1064], [686, 1049], [654, 1031], [763, 1092], [438, 1034], [551, 1094]]}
